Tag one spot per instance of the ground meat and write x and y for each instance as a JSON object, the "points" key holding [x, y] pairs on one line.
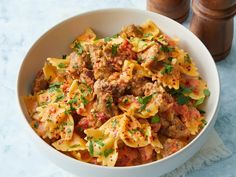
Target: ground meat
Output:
{"points": [[146, 154], [86, 76], [173, 127], [39, 83], [78, 62], [171, 146], [115, 87], [123, 52], [101, 66], [156, 127], [127, 156], [149, 59], [137, 86], [131, 31]]}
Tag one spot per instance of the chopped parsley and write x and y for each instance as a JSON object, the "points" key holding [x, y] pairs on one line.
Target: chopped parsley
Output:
{"points": [[61, 65], [167, 69], [201, 111], [204, 122], [67, 111], [200, 101], [55, 86], [107, 39], [181, 99], [187, 58], [139, 60], [78, 48], [64, 56], [144, 101], [166, 49], [186, 90], [133, 131], [206, 92], [84, 100], [114, 48], [107, 152], [114, 123], [36, 125], [99, 142], [147, 34], [74, 100], [155, 119], [75, 146], [59, 97], [91, 149], [125, 100], [109, 102], [153, 57]]}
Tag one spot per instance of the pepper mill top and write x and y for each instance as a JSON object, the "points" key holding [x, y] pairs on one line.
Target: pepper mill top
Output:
{"points": [[175, 9], [212, 22]]}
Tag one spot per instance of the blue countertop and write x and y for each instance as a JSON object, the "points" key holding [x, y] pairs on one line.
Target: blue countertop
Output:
{"points": [[21, 23]]}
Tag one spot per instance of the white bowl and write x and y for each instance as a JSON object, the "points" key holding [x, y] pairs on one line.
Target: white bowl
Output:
{"points": [[55, 42]]}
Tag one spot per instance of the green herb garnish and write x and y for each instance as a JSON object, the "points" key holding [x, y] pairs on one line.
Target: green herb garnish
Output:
{"points": [[84, 100], [107, 152], [114, 48], [64, 56], [153, 57], [99, 142], [74, 100], [54, 86], [147, 34], [187, 58], [155, 119], [200, 101], [107, 39], [61, 65], [144, 101], [78, 48], [167, 68], [181, 99], [75, 146], [166, 49], [59, 97], [206, 92], [109, 102], [91, 149]]}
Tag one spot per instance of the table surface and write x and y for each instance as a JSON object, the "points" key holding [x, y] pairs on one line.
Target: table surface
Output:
{"points": [[21, 23]]}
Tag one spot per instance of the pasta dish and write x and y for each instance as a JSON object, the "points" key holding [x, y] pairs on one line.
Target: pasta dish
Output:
{"points": [[123, 100]]}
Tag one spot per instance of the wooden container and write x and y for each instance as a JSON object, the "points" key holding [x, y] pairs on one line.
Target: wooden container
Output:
{"points": [[213, 23], [175, 9]]}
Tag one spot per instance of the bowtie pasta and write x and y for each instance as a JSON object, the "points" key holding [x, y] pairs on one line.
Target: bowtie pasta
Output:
{"points": [[127, 99]]}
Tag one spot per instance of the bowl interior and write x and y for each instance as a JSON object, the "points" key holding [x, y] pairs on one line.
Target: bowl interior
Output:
{"points": [[56, 42]]}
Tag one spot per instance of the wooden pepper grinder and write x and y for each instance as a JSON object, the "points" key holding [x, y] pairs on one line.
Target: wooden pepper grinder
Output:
{"points": [[175, 9], [213, 23]]}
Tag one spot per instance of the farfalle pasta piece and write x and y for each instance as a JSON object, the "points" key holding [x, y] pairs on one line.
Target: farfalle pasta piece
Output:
{"points": [[79, 96], [31, 104], [56, 122], [101, 145], [184, 62], [60, 64], [197, 86], [170, 79], [133, 133], [87, 36], [141, 107], [149, 27], [76, 143], [131, 67], [139, 45], [49, 71]]}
